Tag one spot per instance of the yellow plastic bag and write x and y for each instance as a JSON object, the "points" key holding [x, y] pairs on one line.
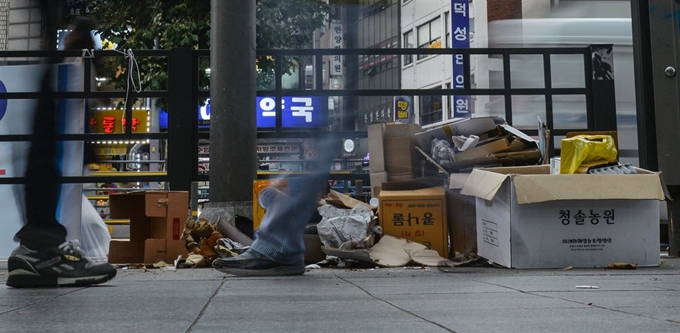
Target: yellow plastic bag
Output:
{"points": [[586, 149]]}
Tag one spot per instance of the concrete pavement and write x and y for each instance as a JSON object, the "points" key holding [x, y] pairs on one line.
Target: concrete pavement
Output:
{"points": [[463, 299]]}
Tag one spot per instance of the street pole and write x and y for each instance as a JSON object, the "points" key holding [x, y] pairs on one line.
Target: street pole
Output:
{"points": [[657, 58], [233, 129]]}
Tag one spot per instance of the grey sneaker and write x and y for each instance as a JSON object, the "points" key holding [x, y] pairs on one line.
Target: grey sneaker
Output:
{"points": [[252, 263], [65, 265]]}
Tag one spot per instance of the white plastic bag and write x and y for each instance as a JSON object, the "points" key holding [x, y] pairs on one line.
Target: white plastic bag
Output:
{"points": [[94, 234]]}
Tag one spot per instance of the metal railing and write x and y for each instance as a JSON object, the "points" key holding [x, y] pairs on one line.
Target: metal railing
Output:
{"points": [[183, 94]]}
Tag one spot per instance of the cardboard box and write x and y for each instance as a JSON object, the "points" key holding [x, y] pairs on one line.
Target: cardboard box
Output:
{"points": [[416, 211], [400, 155], [377, 145], [461, 216], [377, 179], [528, 218], [156, 224], [313, 252]]}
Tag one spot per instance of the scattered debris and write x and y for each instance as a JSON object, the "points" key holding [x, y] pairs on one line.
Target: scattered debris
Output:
{"points": [[621, 265], [587, 287], [568, 268]]}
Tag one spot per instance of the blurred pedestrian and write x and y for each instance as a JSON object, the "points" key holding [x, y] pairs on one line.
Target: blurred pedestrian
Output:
{"points": [[279, 247], [44, 257]]}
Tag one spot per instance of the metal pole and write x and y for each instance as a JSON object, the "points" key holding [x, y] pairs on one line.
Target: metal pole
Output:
{"points": [[180, 120], [655, 48], [673, 223], [233, 128]]}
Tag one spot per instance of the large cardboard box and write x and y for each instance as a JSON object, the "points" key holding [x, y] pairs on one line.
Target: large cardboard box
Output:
{"points": [[156, 224], [384, 140], [528, 218], [461, 216], [416, 211]]}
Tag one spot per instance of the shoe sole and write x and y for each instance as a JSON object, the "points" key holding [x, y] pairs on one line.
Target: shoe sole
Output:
{"points": [[23, 280], [274, 271]]}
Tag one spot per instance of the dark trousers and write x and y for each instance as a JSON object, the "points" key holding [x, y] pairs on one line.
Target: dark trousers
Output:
{"points": [[42, 185]]}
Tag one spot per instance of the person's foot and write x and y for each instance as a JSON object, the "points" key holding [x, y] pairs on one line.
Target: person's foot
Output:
{"points": [[252, 263], [65, 265]]}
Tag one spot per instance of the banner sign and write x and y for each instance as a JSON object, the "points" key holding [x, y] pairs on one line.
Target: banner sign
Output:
{"points": [[278, 149], [336, 43], [108, 121], [460, 39], [300, 112], [403, 109], [16, 117]]}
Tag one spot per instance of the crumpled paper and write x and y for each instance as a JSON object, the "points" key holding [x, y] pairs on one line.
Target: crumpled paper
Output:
{"points": [[340, 225]]}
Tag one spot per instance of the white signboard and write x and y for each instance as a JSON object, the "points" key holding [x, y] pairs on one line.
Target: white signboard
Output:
{"points": [[17, 118]]}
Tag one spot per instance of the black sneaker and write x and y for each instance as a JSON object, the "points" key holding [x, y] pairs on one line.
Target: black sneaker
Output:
{"points": [[252, 263], [66, 265]]}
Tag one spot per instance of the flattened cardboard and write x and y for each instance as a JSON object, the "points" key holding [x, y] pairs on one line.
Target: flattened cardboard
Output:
{"points": [[391, 252]]}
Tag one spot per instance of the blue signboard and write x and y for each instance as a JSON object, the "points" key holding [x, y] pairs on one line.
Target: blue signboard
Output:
{"points": [[460, 39], [298, 112]]}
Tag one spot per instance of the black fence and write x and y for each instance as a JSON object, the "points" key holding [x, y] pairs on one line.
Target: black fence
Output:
{"points": [[183, 95]]}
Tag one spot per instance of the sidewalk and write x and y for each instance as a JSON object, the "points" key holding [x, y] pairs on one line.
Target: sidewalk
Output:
{"points": [[463, 299]]}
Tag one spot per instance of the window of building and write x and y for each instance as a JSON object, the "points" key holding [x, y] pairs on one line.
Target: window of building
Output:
{"points": [[409, 42], [447, 28], [430, 109], [430, 35]]}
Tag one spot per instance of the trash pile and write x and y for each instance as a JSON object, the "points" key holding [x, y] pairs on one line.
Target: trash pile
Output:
{"points": [[464, 144], [427, 186]]}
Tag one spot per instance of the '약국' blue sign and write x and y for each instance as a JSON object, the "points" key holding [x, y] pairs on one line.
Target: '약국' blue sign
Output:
{"points": [[297, 111]]}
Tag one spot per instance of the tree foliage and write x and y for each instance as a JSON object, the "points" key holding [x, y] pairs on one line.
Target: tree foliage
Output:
{"points": [[163, 24]]}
